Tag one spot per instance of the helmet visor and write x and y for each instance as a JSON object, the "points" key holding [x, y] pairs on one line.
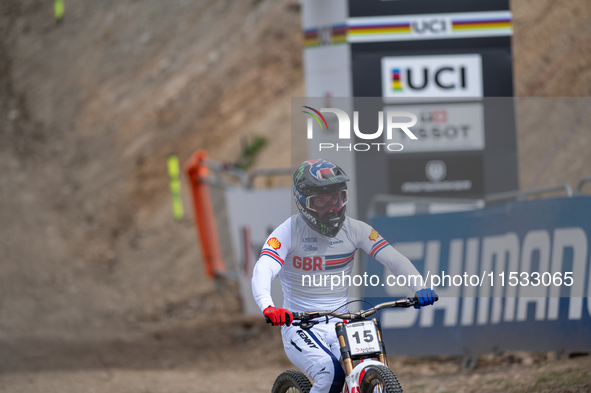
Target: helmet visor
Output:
{"points": [[328, 205]]}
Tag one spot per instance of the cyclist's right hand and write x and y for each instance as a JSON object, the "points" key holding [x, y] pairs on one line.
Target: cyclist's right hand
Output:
{"points": [[278, 316]]}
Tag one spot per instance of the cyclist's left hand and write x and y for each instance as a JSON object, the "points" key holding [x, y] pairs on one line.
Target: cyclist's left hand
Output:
{"points": [[426, 297]]}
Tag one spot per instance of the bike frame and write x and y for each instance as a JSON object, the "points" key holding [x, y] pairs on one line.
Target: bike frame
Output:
{"points": [[354, 374]]}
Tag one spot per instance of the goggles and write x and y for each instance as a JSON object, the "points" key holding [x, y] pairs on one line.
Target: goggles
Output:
{"points": [[324, 203]]}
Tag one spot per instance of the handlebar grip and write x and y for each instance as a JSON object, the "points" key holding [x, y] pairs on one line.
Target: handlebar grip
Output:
{"points": [[298, 315], [415, 299]]}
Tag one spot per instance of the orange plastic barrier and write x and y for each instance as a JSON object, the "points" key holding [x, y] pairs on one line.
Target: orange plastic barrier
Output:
{"points": [[207, 234]]}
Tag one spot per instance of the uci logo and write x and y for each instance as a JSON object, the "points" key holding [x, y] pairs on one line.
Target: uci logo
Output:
{"points": [[429, 26], [325, 35], [445, 78], [432, 76]]}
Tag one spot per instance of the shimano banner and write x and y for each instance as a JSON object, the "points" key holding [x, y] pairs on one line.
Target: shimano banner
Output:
{"points": [[510, 277]]}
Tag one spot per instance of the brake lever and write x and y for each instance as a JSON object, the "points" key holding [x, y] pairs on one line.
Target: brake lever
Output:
{"points": [[306, 325]]}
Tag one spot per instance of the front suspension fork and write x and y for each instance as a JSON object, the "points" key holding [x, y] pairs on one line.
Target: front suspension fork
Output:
{"points": [[346, 352]]}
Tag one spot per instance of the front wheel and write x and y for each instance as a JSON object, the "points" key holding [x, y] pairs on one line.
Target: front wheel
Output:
{"points": [[291, 381], [380, 379]]}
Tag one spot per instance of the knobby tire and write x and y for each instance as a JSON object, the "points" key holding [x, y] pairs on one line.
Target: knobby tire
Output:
{"points": [[380, 376], [291, 381]]}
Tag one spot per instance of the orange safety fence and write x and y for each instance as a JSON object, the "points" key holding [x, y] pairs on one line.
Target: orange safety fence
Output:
{"points": [[197, 172]]}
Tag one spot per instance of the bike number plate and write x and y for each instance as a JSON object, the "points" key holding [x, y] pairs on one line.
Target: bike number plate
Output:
{"points": [[363, 338]]}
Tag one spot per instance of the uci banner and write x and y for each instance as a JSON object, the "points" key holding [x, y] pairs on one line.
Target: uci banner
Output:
{"points": [[510, 277]]}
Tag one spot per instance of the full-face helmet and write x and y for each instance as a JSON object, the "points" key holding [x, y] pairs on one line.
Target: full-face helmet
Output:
{"points": [[320, 193]]}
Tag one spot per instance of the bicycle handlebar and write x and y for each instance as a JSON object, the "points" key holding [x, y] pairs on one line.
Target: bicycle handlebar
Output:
{"points": [[401, 303]]}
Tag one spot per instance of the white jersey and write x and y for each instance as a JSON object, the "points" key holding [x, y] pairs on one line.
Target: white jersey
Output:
{"points": [[305, 260]]}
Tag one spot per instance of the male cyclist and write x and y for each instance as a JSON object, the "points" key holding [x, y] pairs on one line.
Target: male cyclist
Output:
{"points": [[319, 241]]}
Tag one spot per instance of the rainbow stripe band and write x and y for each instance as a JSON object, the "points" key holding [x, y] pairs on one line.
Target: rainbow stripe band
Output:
{"points": [[396, 84], [340, 39], [339, 30], [311, 37], [273, 255], [391, 28], [463, 25], [338, 35], [338, 261], [379, 246], [412, 28]]}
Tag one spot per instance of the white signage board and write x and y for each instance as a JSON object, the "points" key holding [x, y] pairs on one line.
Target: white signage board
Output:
{"points": [[440, 76], [261, 211], [444, 127], [430, 26]]}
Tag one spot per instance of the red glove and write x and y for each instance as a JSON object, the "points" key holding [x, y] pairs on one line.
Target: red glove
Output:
{"points": [[278, 316]]}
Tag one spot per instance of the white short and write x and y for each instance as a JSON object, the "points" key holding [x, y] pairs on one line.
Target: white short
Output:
{"points": [[316, 352]]}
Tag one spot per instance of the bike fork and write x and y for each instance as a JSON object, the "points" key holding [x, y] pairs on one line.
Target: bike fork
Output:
{"points": [[346, 352], [382, 356]]}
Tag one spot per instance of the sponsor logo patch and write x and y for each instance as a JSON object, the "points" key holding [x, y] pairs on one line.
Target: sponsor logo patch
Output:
{"points": [[450, 127], [373, 236], [322, 169], [322, 371], [274, 243], [306, 339], [306, 214]]}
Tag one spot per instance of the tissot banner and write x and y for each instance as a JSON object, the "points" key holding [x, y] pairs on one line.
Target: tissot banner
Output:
{"points": [[443, 127]]}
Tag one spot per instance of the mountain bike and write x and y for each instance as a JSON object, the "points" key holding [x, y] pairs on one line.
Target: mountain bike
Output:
{"points": [[361, 341]]}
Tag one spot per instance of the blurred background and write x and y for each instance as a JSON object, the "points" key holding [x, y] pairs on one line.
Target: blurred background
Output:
{"points": [[101, 289]]}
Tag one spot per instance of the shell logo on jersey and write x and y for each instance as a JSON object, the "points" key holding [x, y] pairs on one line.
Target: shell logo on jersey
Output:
{"points": [[373, 236], [274, 243]]}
